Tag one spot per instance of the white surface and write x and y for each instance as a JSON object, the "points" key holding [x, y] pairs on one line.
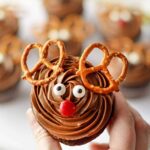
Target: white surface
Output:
{"points": [[15, 133]]}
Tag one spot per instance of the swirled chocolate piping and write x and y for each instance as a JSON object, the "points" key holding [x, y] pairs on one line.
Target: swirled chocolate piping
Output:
{"points": [[93, 110]]}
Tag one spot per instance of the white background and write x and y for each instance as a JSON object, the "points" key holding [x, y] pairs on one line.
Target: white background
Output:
{"points": [[15, 133]]}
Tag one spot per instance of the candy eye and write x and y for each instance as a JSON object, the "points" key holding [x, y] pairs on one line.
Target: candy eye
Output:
{"points": [[126, 16], [64, 34], [59, 89], [78, 91], [114, 15], [2, 58], [53, 34], [2, 15]]}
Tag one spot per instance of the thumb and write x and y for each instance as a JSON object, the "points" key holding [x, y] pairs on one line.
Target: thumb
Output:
{"points": [[43, 139]]}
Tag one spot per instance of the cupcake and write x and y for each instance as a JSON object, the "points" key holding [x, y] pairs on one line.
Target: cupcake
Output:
{"points": [[10, 70], [8, 21], [117, 21], [138, 54], [72, 30], [63, 8], [70, 98]]}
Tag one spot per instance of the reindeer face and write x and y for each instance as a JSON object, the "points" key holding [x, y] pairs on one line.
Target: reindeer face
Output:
{"points": [[121, 16], [72, 99], [69, 80], [72, 27], [67, 92]]}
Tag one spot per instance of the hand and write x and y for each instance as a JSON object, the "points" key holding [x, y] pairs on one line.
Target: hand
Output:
{"points": [[43, 139], [127, 129]]}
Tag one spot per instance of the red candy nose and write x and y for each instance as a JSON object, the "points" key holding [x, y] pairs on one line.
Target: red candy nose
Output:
{"points": [[67, 108], [122, 23]]}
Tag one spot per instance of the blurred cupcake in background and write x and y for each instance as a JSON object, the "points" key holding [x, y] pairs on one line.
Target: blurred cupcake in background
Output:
{"points": [[10, 71], [73, 30], [62, 8], [117, 21], [138, 55], [8, 21]]}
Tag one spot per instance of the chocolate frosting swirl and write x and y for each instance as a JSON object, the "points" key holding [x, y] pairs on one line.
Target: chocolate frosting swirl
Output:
{"points": [[93, 111]]}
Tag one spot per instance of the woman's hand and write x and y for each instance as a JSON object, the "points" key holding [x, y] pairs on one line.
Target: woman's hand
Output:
{"points": [[43, 139], [127, 129]]}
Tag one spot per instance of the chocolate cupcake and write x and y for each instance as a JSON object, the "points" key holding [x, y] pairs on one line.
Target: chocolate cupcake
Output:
{"points": [[63, 8], [8, 21], [10, 70], [138, 54], [72, 30], [117, 21], [72, 99]]}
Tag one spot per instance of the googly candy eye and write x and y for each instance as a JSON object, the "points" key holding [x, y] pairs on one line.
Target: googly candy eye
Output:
{"points": [[64, 34], [78, 91], [59, 89], [2, 58], [114, 15], [126, 16], [53, 34], [2, 15]]}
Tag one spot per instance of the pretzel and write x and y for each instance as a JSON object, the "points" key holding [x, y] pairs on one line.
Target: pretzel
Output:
{"points": [[43, 53], [83, 71], [11, 45]]}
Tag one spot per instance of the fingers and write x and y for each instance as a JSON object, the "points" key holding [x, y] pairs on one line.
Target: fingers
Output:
{"points": [[142, 131], [121, 128], [95, 146], [43, 139]]}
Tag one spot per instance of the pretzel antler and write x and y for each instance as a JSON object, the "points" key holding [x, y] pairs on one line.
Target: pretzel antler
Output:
{"points": [[11, 45], [83, 71], [43, 53]]}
